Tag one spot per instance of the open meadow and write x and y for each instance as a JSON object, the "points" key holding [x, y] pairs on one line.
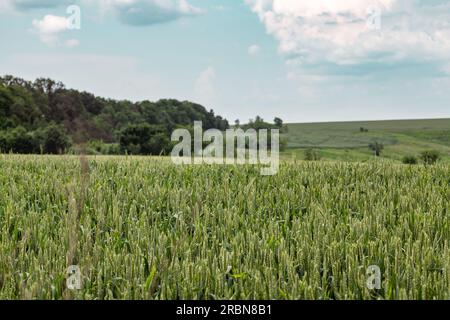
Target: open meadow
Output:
{"points": [[143, 228], [349, 141]]}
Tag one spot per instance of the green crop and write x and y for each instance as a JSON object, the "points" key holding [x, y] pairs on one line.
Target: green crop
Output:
{"points": [[143, 228]]}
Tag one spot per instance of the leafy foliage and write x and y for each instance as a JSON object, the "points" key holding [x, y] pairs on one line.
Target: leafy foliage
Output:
{"points": [[145, 139], [278, 122], [376, 147], [410, 159], [312, 154], [430, 157], [39, 105], [259, 124], [51, 139], [55, 140]]}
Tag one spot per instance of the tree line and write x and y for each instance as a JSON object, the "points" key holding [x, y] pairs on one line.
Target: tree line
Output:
{"points": [[43, 116]]}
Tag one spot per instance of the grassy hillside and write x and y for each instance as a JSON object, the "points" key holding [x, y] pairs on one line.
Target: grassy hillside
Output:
{"points": [[346, 141]]}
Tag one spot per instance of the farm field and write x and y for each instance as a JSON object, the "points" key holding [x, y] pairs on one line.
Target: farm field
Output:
{"points": [[143, 228], [345, 141]]}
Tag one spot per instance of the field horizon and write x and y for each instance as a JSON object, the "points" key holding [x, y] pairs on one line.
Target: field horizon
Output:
{"points": [[349, 140]]}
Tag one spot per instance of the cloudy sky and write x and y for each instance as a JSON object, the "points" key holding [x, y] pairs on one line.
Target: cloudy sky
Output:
{"points": [[301, 60]]}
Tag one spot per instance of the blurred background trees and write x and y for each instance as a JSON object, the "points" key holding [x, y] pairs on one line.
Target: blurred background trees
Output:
{"points": [[44, 116]]}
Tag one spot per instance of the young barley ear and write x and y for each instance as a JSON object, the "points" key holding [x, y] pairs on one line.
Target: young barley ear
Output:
{"points": [[72, 227], [75, 211], [72, 235]]}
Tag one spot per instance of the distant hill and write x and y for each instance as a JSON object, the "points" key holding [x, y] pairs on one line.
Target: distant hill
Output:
{"points": [[35, 116], [350, 140]]}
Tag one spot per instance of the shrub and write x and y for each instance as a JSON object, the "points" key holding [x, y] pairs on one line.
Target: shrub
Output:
{"points": [[410, 159], [99, 147], [430, 157], [312, 155]]}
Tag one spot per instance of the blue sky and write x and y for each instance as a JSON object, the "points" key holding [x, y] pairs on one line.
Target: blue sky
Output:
{"points": [[300, 60]]}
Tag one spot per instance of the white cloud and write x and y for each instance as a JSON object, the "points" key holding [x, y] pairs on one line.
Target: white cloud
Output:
{"points": [[204, 85], [148, 12], [335, 32], [49, 28], [253, 49]]}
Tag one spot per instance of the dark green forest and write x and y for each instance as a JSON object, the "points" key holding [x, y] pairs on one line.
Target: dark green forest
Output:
{"points": [[43, 116]]}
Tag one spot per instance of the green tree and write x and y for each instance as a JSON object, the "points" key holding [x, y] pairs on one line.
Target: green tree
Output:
{"points": [[85, 117], [144, 139], [376, 147], [19, 140], [55, 139], [159, 144], [278, 122]]}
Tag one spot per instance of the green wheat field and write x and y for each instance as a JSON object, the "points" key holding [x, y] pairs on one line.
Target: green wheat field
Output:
{"points": [[143, 228]]}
